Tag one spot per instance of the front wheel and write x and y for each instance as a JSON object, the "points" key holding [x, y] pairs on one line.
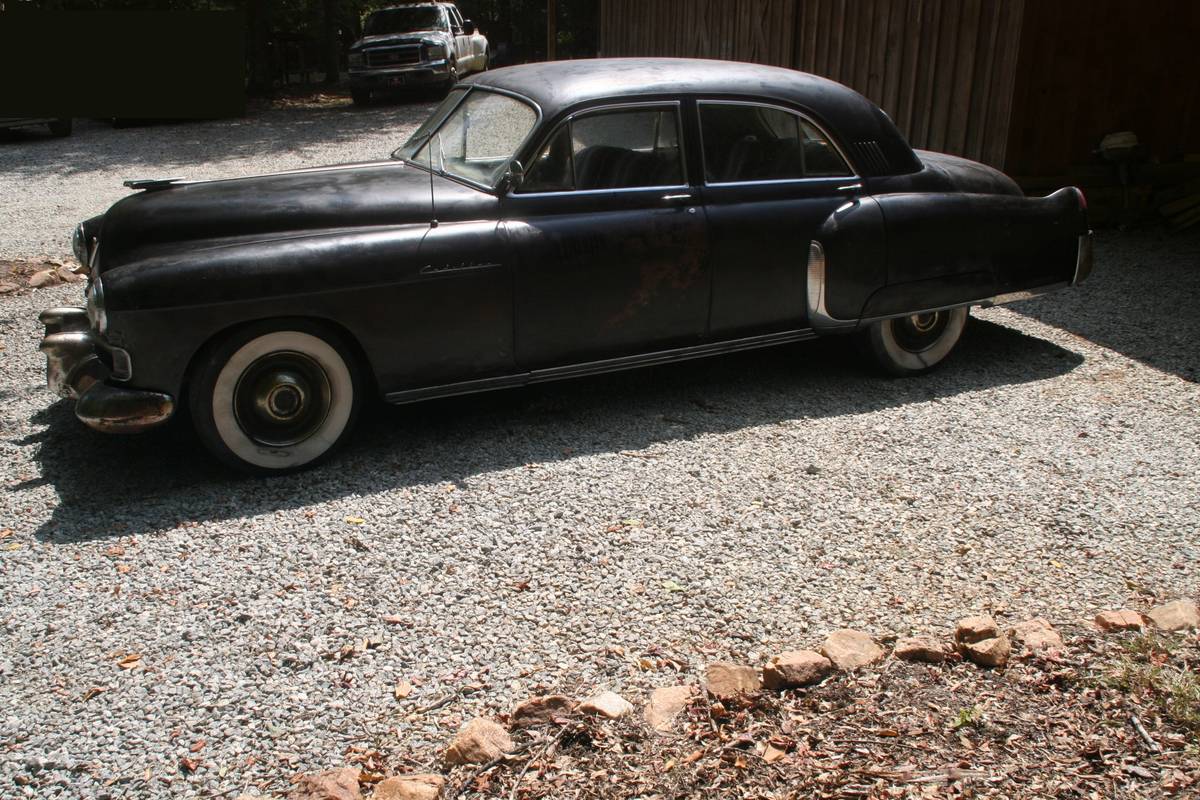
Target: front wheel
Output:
{"points": [[275, 397], [914, 344]]}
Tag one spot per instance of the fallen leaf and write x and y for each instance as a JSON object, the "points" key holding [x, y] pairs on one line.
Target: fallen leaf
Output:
{"points": [[773, 754], [403, 689], [123, 568], [13, 546], [692, 756], [394, 619], [197, 746], [92, 692], [130, 661], [115, 550], [189, 764], [355, 520], [672, 586], [7, 532]]}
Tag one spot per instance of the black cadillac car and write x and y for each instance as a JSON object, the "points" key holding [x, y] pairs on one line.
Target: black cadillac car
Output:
{"points": [[547, 221]]}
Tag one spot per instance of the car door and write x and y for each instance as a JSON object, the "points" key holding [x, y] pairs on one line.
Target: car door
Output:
{"points": [[462, 42], [772, 176], [611, 245]]}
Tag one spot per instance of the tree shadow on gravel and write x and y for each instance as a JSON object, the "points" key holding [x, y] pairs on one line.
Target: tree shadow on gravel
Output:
{"points": [[111, 485], [97, 146], [1142, 300]]}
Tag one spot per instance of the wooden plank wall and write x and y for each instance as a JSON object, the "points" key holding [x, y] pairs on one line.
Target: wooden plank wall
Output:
{"points": [[942, 69], [1093, 67]]}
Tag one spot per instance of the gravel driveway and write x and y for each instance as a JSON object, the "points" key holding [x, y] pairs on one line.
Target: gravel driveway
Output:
{"points": [[483, 547]]}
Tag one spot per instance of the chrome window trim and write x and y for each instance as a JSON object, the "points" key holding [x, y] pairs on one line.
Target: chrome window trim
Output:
{"points": [[475, 87], [853, 176], [680, 133]]}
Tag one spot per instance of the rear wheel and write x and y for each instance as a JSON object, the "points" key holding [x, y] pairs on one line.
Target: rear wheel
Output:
{"points": [[916, 343], [276, 397]]}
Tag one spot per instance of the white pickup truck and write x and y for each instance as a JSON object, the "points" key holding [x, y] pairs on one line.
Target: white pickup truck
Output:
{"points": [[417, 44]]}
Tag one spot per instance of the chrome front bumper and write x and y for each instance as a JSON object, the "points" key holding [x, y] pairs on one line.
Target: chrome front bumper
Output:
{"points": [[75, 371]]}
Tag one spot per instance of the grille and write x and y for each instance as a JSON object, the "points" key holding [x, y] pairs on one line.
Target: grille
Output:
{"points": [[874, 162], [394, 56]]}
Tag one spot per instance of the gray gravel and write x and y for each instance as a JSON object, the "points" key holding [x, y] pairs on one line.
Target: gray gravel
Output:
{"points": [[554, 536]]}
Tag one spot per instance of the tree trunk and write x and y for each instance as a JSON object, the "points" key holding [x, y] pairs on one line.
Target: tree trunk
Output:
{"points": [[329, 40]]}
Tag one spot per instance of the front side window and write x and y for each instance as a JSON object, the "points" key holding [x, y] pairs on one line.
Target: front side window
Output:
{"points": [[759, 143], [610, 149], [475, 139]]}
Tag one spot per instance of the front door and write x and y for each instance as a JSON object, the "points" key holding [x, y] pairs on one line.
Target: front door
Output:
{"points": [[771, 179], [610, 240]]}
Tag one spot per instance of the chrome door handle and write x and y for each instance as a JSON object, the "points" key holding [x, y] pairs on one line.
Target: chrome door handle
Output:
{"points": [[850, 187], [671, 198]]}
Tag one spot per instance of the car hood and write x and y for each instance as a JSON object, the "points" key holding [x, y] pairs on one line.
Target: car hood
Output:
{"points": [[190, 215], [408, 37]]}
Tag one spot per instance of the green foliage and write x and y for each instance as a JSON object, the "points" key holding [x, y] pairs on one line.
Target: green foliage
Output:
{"points": [[972, 717]]}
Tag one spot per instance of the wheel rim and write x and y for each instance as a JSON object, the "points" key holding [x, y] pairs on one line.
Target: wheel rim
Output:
{"points": [[919, 332], [282, 398]]}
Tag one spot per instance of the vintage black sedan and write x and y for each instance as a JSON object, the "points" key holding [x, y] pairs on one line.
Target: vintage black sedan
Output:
{"points": [[547, 221]]}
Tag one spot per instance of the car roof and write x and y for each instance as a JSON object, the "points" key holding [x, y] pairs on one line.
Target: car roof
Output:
{"points": [[559, 86]]}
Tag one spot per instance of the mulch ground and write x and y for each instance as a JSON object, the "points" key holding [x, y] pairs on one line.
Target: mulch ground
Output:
{"points": [[1118, 717]]}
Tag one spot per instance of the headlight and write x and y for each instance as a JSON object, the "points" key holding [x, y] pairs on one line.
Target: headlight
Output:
{"points": [[95, 306], [79, 245], [356, 59], [435, 52]]}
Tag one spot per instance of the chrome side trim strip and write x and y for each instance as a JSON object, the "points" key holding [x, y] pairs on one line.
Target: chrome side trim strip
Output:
{"points": [[600, 367]]}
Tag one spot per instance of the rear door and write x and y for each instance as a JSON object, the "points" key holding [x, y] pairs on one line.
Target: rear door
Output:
{"points": [[611, 242], [771, 178]]}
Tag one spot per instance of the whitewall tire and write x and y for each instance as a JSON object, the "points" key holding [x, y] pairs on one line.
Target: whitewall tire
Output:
{"points": [[273, 399], [914, 344]]}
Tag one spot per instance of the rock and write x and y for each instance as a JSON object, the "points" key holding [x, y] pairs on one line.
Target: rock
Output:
{"points": [[992, 652], [1119, 620], [67, 276], [541, 710], [1178, 616], [8, 288], [975, 629], [479, 741], [929, 649], [730, 681], [410, 787], [1036, 634], [795, 668], [850, 650], [665, 705], [42, 278], [335, 784], [607, 704]]}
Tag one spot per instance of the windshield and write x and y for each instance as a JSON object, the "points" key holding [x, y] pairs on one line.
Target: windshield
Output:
{"points": [[472, 138], [402, 20]]}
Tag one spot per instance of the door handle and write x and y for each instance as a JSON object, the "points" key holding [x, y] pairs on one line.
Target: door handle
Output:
{"points": [[677, 198], [850, 187]]}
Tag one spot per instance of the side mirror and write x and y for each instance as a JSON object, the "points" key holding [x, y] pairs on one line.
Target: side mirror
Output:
{"points": [[468, 27], [514, 177]]}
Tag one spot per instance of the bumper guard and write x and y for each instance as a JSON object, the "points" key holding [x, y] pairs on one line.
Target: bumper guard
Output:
{"points": [[75, 371]]}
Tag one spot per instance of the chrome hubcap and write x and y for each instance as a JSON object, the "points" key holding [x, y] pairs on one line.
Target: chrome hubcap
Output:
{"points": [[919, 332], [282, 399]]}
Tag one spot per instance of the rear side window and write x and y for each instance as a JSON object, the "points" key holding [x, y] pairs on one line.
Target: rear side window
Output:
{"points": [[759, 143], [610, 149]]}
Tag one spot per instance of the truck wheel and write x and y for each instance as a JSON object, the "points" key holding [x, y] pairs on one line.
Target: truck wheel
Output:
{"points": [[275, 397], [361, 97], [452, 78], [916, 343]]}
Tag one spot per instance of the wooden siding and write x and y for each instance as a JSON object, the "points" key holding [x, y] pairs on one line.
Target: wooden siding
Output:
{"points": [[942, 69], [1094, 67]]}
